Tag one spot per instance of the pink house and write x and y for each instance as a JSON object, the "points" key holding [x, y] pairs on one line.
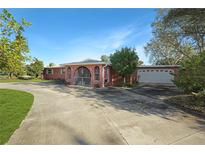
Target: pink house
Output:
{"points": [[100, 74]]}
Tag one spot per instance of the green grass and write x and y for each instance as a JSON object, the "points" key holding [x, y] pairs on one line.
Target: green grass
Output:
{"points": [[20, 80], [14, 106]]}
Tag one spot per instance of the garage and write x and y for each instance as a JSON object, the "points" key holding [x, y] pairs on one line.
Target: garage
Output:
{"points": [[156, 74]]}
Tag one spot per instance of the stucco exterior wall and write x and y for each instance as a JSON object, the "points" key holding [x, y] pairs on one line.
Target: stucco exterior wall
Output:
{"points": [[113, 78], [56, 73], [91, 68]]}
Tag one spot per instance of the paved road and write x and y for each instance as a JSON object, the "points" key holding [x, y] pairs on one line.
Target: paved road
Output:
{"points": [[62, 115]]}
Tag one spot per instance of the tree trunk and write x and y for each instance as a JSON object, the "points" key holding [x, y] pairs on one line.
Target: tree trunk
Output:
{"points": [[130, 79], [10, 75], [124, 80]]}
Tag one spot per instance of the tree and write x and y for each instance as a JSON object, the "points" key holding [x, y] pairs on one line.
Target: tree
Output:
{"points": [[13, 45], [189, 25], [105, 58], [169, 44], [51, 64], [124, 61], [140, 62], [191, 76], [35, 68]]}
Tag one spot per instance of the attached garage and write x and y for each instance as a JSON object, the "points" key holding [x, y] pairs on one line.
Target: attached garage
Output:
{"points": [[160, 74]]}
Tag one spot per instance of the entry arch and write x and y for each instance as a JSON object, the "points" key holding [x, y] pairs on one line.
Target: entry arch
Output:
{"points": [[82, 76]]}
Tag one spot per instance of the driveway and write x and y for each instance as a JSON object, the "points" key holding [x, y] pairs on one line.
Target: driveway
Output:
{"points": [[156, 91], [62, 115]]}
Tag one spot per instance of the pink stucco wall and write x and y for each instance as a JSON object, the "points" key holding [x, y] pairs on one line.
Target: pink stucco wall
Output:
{"points": [[113, 78], [55, 75], [91, 68]]}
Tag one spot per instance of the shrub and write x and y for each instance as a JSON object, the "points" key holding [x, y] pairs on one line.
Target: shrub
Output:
{"points": [[191, 77]]}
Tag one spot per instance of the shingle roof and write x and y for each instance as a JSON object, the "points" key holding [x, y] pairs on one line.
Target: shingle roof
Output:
{"points": [[86, 61], [54, 66]]}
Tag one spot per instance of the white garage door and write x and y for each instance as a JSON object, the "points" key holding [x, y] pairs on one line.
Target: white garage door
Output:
{"points": [[155, 75]]}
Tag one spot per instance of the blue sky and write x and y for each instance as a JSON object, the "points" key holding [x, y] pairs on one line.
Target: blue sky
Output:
{"points": [[67, 35]]}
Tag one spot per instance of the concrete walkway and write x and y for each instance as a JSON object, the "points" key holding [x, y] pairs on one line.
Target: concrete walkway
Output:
{"points": [[62, 115]]}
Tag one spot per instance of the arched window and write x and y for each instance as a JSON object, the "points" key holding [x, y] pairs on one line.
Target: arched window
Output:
{"points": [[69, 72], [97, 73]]}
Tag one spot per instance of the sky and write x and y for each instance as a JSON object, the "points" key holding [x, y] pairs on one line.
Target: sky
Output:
{"points": [[70, 35]]}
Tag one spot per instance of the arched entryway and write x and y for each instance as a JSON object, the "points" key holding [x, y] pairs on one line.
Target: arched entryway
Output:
{"points": [[83, 76]]}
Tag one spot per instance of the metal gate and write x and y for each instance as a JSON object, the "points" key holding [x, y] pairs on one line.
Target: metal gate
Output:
{"points": [[83, 76]]}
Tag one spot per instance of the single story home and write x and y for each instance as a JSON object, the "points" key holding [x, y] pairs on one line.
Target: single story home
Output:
{"points": [[100, 74]]}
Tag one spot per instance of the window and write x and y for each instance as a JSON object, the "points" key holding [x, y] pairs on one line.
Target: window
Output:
{"points": [[62, 70], [69, 72], [97, 73], [49, 71]]}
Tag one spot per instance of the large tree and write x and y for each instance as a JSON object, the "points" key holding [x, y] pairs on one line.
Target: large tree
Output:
{"points": [[13, 45], [124, 61], [178, 34], [140, 62], [35, 68], [189, 25], [51, 64], [105, 58]]}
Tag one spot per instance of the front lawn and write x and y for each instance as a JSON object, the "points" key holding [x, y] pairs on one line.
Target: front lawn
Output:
{"points": [[14, 106], [20, 80]]}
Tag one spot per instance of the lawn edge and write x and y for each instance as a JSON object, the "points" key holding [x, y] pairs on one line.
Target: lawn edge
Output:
{"points": [[28, 113]]}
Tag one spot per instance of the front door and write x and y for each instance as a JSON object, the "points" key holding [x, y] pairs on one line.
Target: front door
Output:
{"points": [[83, 76]]}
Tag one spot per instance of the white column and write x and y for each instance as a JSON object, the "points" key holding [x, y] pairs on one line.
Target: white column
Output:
{"points": [[103, 76]]}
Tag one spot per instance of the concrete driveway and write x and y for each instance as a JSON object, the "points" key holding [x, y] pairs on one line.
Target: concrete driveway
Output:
{"points": [[156, 91], [62, 115]]}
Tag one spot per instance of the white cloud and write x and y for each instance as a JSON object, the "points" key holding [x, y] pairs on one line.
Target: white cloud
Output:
{"points": [[93, 45], [103, 41]]}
